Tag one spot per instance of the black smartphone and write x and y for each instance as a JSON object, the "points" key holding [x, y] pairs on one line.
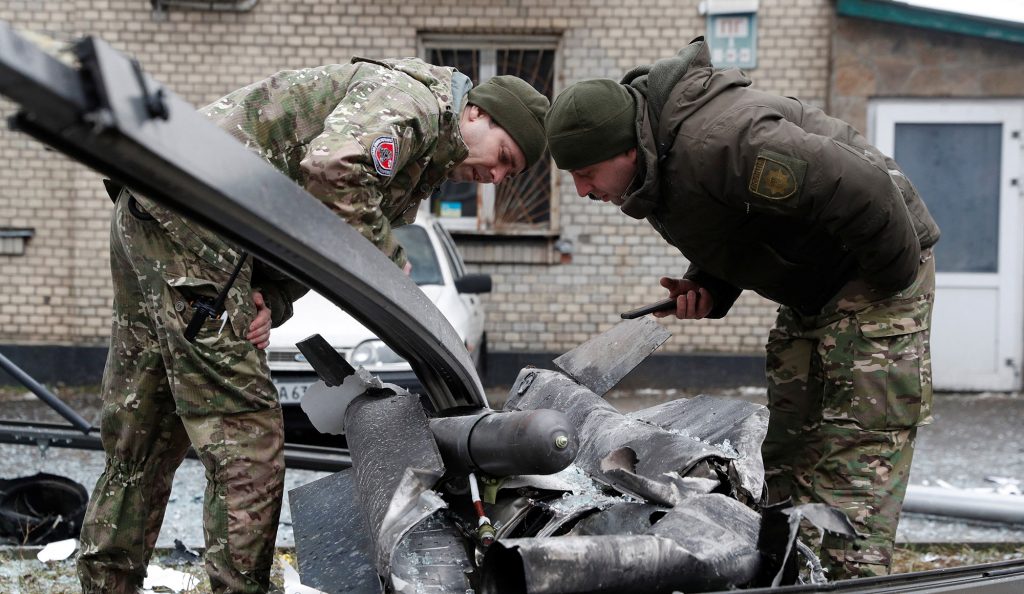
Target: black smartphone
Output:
{"points": [[663, 305]]}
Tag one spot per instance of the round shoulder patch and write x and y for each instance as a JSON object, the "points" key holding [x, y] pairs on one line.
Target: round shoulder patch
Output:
{"points": [[384, 150]]}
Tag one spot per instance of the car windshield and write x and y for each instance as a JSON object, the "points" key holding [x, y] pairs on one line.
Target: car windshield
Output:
{"points": [[425, 268]]}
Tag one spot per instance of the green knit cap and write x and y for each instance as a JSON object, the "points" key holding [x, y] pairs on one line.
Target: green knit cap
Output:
{"points": [[589, 122], [518, 108]]}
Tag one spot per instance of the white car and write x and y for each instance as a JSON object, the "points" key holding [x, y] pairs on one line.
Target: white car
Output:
{"points": [[437, 269]]}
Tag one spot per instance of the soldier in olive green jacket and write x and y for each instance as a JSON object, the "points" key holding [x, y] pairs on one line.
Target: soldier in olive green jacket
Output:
{"points": [[370, 139], [768, 194]]}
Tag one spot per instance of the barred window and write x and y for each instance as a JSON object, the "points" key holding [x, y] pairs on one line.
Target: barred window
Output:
{"points": [[523, 204]]}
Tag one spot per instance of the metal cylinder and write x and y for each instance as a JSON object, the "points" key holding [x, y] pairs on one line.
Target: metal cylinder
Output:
{"points": [[538, 441]]}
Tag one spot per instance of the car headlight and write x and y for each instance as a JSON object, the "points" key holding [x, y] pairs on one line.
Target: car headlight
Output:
{"points": [[374, 353]]}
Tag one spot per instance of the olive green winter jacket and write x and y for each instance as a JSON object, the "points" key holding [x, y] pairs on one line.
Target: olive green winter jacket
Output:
{"points": [[766, 193]]}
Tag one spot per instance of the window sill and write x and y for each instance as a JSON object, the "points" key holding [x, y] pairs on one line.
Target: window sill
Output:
{"points": [[506, 234], [508, 248], [12, 241]]}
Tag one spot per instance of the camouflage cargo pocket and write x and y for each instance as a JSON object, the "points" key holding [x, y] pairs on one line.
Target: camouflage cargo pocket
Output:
{"points": [[191, 279], [221, 372], [880, 370]]}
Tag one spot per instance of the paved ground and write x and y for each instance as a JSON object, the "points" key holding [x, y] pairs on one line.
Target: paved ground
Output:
{"points": [[973, 440]]}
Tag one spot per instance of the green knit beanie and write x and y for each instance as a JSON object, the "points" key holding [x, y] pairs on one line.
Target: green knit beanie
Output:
{"points": [[589, 122], [518, 108]]}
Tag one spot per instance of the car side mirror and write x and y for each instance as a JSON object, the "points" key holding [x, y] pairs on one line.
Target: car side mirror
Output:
{"points": [[473, 283]]}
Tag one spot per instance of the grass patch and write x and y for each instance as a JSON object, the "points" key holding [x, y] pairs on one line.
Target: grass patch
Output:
{"points": [[922, 557], [22, 573]]}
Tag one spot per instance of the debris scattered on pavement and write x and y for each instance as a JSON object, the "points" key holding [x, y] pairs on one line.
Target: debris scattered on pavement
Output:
{"points": [[292, 585], [182, 555], [160, 577], [1005, 485], [39, 509], [57, 551]]}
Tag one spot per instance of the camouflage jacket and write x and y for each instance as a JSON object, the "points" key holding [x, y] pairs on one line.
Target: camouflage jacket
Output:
{"points": [[766, 193], [371, 139]]}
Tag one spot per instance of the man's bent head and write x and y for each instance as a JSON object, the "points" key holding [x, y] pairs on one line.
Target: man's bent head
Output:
{"points": [[591, 131], [590, 122], [503, 128]]}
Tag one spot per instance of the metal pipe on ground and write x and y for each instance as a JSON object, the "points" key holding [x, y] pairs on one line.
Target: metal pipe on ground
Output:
{"points": [[45, 395], [45, 435], [960, 503]]}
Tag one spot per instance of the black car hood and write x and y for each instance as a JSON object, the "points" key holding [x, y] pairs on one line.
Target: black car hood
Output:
{"points": [[111, 116]]}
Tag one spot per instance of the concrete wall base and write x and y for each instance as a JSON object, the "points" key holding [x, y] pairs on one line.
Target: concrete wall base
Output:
{"points": [[83, 365], [56, 364]]}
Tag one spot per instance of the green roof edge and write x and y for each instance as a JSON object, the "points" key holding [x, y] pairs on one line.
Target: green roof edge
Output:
{"points": [[916, 16]]}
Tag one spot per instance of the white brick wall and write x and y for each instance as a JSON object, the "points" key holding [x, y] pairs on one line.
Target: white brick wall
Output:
{"points": [[59, 291]]}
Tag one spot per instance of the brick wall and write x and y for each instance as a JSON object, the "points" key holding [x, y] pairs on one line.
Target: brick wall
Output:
{"points": [[58, 292], [874, 59]]}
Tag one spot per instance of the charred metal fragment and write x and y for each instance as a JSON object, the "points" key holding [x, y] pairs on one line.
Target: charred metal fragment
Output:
{"points": [[620, 467], [709, 542], [735, 424], [621, 518], [327, 405], [662, 454], [602, 362], [394, 458], [432, 557], [331, 542], [776, 543], [824, 517], [328, 363]]}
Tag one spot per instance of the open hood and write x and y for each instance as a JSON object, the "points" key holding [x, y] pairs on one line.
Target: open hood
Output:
{"points": [[111, 116]]}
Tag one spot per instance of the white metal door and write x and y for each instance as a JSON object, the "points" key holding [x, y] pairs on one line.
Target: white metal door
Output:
{"points": [[964, 156]]}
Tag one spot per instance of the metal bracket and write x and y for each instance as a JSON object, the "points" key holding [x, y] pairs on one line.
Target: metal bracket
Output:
{"points": [[154, 102], [327, 363]]}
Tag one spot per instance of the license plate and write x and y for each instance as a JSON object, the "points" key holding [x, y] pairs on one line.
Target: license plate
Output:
{"points": [[291, 392]]}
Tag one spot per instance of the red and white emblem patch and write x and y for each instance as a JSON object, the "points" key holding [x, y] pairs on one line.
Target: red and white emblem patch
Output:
{"points": [[384, 150]]}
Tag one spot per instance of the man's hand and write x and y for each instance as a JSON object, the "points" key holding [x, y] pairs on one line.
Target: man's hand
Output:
{"points": [[259, 329], [693, 302], [407, 269]]}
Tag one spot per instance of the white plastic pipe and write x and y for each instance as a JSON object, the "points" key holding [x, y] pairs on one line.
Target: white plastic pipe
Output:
{"points": [[960, 503]]}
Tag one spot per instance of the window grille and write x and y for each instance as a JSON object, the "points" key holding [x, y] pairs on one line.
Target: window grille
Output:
{"points": [[523, 204]]}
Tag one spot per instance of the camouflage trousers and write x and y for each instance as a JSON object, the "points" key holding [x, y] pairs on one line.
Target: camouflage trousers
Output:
{"points": [[847, 390], [162, 394]]}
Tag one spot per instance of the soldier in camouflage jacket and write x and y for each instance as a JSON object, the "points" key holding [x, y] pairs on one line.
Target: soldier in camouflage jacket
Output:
{"points": [[765, 193], [370, 139]]}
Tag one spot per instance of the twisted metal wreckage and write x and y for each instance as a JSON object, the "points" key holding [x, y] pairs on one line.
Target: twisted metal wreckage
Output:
{"points": [[579, 497]]}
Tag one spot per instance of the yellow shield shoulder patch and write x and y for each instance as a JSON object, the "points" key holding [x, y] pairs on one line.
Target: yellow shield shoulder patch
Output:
{"points": [[775, 176]]}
